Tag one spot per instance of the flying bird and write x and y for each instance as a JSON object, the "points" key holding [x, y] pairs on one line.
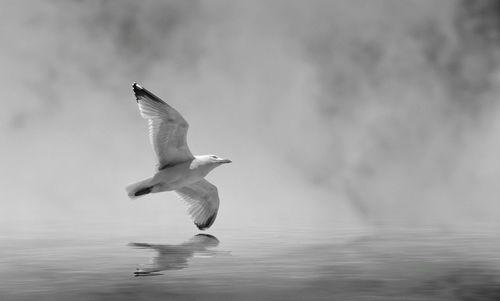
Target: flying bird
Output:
{"points": [[177, 169]]}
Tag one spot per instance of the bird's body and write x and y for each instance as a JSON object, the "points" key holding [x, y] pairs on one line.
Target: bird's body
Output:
{"points": [[178, 170], [176, 177]]}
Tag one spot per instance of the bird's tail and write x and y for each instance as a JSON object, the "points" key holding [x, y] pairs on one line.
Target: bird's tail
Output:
{"points": [[140, 188]]}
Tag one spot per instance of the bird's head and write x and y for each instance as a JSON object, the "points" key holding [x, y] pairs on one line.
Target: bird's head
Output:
{"points": [[213, 160]]}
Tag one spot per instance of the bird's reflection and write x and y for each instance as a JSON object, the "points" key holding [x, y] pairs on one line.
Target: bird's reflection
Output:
{"points": [[175, 257]]}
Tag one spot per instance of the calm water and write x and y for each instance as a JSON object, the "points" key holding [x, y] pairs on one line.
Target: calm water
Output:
{"points": [[264, 265]]}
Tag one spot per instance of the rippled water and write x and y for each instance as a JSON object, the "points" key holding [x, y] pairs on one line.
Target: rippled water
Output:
{"points": [[266, 265]]}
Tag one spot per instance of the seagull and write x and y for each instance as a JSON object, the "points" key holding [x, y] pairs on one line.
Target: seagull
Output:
{"points": [[177, 169]]}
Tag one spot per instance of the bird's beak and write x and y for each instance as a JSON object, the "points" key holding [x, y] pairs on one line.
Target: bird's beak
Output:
{"points": [[225, 161]]}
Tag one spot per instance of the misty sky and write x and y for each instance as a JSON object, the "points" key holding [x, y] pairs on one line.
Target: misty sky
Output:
{"points": [[333, 112]]}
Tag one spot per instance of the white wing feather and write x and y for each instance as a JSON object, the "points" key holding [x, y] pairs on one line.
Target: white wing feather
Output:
{"points": [[167, 128], [203, 201]]}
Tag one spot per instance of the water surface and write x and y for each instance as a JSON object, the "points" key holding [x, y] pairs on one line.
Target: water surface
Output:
{"points": [[266, 265]]}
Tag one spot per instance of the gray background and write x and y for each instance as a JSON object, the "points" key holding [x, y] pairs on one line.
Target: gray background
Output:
{"points": [[335, 113]]}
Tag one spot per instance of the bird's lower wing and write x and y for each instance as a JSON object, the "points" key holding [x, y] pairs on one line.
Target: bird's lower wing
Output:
{"points": [[203, 201]]}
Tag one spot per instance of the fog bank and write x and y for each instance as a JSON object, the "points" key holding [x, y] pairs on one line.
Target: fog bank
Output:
{"points": [[350, 112]]}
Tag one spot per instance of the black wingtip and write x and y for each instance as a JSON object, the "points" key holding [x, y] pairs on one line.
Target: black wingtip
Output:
{"points": [[136, 86], [200, 226], [137, 90], [140, 91], [143, 191], [207, 223]]}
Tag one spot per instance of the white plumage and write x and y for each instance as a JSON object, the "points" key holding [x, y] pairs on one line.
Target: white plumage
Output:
{"points": [[178, 169]]}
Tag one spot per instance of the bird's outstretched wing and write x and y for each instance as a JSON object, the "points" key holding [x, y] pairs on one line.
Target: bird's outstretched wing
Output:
{"points": [[203, 201], [167, 128]]}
